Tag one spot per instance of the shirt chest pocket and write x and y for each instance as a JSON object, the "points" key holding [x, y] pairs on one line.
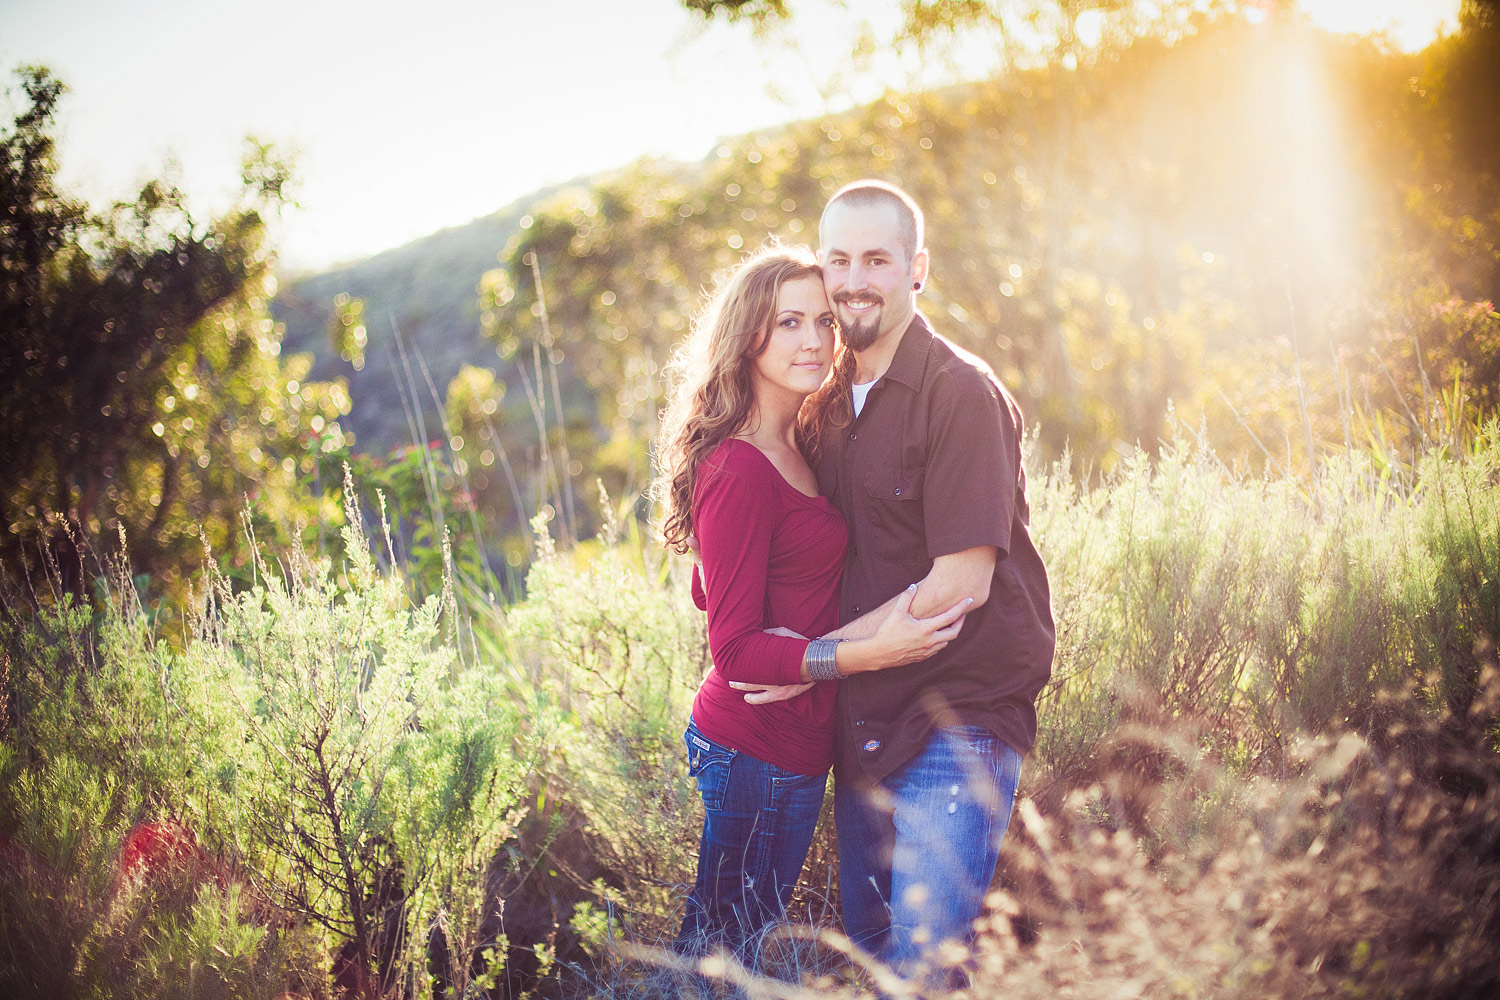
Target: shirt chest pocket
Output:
{"points": [[895, 529]]}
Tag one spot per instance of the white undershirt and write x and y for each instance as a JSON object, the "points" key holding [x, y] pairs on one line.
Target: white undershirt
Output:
{"points": [[860, 392]]}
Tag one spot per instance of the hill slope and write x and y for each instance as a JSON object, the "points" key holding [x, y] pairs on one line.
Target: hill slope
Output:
{"points": [[428, 287]]}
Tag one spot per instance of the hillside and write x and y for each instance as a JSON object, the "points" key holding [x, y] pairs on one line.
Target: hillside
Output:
{"points": [[1264, 238], [429, 287]]}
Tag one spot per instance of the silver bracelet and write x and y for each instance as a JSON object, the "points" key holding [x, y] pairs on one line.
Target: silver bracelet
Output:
{"points": [[821, 660]]}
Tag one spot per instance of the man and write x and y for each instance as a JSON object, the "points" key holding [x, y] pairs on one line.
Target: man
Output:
{"points": [[922, 454]]}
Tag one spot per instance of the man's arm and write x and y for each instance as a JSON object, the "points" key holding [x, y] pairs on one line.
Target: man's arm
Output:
{"points": [[952, 578]]}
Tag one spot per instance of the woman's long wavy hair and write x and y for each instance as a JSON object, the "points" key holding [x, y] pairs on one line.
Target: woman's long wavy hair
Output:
{"points": [[711, 391], [828, 409]]}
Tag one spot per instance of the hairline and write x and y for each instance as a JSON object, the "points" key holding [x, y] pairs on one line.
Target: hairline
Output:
{"points": [[867, 193]]}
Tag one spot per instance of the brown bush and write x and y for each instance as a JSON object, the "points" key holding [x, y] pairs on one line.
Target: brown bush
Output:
{"points": [[1371, 870]]}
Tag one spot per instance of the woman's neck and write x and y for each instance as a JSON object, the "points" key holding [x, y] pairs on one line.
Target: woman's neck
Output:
{"points": [[770, 426]]}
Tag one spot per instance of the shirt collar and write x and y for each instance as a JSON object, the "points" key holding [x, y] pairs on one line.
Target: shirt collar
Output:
{"points": [[909, 364]]}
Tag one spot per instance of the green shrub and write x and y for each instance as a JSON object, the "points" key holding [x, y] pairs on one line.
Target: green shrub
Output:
{"points": [[1456, 625], [353, 775], [375, 774], [96, 743]]}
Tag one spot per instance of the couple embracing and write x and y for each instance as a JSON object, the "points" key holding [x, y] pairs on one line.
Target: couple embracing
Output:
{"points": [[875, 603]]}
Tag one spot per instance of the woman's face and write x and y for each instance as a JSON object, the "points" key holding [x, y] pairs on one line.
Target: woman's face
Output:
{"points": [[799, 350]]}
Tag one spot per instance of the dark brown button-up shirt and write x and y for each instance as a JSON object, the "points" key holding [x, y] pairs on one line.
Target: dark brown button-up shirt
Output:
{"points": [[930, 467]]}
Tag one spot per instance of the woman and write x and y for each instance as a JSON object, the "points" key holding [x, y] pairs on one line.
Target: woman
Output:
{"points": [[772, 550]]}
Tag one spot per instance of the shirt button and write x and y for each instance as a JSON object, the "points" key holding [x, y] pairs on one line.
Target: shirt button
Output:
{"points": [[853, 436], [898, 491], [859, 722], [856, 609]]}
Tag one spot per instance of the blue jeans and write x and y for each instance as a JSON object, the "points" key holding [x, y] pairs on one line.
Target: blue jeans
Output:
{"points": [[917, 852], [758, 822]]}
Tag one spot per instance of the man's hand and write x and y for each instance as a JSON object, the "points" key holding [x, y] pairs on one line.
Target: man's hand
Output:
{"points": [[764, 694], [901, 639]]}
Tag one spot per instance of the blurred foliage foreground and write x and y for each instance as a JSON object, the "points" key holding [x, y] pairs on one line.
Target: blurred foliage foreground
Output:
{"points": [[1267, 764]]}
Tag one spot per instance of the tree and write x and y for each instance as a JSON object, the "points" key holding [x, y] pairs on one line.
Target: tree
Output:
{"points": [[755, 11], [141, 383], [1456, 186]]}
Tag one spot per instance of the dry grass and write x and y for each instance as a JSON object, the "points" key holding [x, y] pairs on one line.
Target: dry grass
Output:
{"points": [[1370, 869]]}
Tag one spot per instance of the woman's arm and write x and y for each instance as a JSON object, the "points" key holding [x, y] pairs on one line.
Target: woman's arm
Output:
{"points": [[951, 579], [887, 637], [898, 638], [735, 515]]}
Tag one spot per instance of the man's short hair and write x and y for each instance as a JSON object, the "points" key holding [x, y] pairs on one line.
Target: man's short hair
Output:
{"points": [[862, 194]]}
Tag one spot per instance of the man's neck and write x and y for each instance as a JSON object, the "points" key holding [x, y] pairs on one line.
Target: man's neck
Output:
{"points": [[872, 362]]}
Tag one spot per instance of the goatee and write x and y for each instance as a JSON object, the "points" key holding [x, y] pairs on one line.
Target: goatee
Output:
{"points": [[859, 335]]}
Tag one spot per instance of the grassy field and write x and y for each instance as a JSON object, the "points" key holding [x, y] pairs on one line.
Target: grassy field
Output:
{"points": [[1267, 763]]}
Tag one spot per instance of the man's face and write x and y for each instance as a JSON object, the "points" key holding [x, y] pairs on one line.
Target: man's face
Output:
{"points": [[866, 271]]}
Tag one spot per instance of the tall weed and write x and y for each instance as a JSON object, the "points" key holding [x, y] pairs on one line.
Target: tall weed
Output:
{"points": [[1457, 625], [612, 638], [1267, 608]]}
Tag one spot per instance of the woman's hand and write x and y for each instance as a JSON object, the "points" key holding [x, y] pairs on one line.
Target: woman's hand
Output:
{"points": [[900, 639], [764, 694]]}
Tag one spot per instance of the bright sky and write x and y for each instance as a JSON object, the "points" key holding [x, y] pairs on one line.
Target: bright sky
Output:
{"points": [[408, 117]]}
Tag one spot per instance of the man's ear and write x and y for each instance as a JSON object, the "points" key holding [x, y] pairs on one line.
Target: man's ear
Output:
{"points": [[919, 264]]}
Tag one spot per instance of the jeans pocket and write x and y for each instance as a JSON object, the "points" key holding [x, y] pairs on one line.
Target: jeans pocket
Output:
{"points": [[708, 763], [977, 737]]}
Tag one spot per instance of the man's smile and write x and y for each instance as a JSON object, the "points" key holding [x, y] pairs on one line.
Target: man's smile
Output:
{"points": [[858, 301]]}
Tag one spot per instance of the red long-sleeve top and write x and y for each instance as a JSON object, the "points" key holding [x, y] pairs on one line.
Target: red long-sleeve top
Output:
{"points": [[772, 556]]}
